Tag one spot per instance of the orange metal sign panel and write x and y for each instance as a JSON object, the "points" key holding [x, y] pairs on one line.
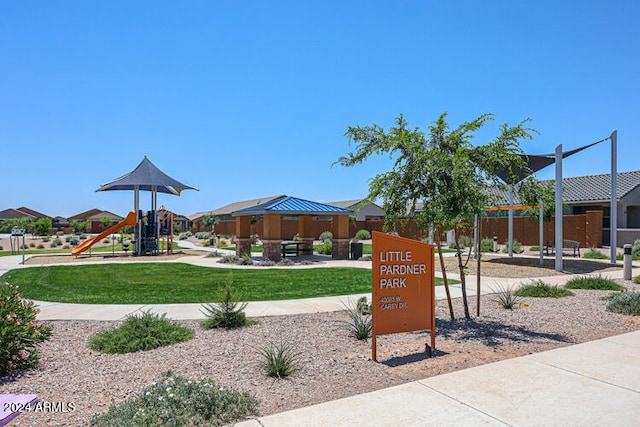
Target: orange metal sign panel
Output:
{"points": [[403, 285]]}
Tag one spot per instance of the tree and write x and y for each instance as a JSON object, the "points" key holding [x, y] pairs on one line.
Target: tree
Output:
{"points": [[439, 180], [42, 227], [211, 220], [106, 222], [78, 227]]}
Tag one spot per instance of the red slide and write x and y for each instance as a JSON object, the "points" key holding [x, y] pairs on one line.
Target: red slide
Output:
{"points": [[129, 220]]}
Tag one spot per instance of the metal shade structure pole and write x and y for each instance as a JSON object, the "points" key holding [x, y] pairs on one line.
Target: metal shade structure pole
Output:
{"points": [[541, 221], [613, 220], [510, 220], [558, 237]]}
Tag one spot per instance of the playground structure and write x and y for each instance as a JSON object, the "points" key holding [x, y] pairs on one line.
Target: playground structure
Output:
{"points": [[153, 229], [150, 229]]}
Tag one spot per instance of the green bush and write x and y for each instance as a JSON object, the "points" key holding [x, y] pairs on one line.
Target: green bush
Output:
{"points": [[40, 246], [229, 259], [636, 280], [363, 235], [285, 262], [593, 253], [57, 241], [325, 249], [279, 360], [326, 236], [635, 249], [540, 289], [228, 313], [46, 239], [200, 235], [178, 401], [20, 332], [486, 245], [140, 333], [625, 303], [599, 283], [463, 241], [534, 248], [1, 248], [517, 247]]}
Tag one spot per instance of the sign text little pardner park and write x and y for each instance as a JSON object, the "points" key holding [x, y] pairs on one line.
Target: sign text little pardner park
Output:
{"points": [[402, 287]]}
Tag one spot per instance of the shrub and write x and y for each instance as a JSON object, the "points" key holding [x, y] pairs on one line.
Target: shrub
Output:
{"points": [[223, 243], [32, 245], [106, 241], [229, 259], [325, 249], [593, 253], [20, 332], [58, 241], [363, 235], [517, 247], [486, 245], [635, 249], [535, 248], [507, 298], [228, 313], [279, 360], [326, 236], [599, 283], [175, 400], [203, 235], [74, 241], [1, 248], [66, 246], [266, 263], [359, 323], [206, 243], [40, 246], [67, 239], [540, 289], [53, 244], [83, 236], [285, 262], [625, 303], [636, 279], [245, 259], [46, 239], [297, 237], [463, 241], [140, 333]]}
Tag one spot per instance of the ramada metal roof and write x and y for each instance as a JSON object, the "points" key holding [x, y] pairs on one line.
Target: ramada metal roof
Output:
{"points": [[292, 206]]}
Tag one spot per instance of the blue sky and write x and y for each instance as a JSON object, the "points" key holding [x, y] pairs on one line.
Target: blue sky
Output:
{"points": [[252, 99]]}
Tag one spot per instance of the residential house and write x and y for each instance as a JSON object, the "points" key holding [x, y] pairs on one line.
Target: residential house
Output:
{"points": [[94, 218]]}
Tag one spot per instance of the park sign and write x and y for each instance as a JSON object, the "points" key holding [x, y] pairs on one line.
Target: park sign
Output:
{"points": [[402, 287]]}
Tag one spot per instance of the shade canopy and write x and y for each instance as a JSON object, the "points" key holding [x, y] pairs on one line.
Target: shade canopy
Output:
{"points": [[533, 163], [147, 177]]}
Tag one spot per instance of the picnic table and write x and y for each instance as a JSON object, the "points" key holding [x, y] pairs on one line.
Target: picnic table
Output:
{"points": [[290, 247]]}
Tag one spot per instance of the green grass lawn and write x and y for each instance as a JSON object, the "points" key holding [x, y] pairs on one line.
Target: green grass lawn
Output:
{"points": [[166, 283]]}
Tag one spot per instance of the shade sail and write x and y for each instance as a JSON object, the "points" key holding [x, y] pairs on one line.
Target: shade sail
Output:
{"points": [[147, 177], [540, 161]]}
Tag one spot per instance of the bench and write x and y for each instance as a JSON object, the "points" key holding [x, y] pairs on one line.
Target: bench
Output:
{"points": [[290, 247], [572, 245]]}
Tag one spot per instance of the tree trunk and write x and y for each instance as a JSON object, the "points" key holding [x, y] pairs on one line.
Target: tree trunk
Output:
{"points": [[463, 284], [444, 273]]}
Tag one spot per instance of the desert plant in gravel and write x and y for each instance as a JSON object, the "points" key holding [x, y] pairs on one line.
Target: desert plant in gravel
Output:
{"points": [[625, 303], [598, 283], [20, 331], [140, 333], [359, 323], [228, 312], [593, 253], [539, 289], [506, 298], [179, 401], [279, 360]]}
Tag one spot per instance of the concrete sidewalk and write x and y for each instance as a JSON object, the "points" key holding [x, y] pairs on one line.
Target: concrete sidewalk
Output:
{"points": [[595, 383]]}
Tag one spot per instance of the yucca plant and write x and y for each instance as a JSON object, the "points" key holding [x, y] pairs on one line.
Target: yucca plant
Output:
{"points": [[359, 323], [279, 360], [506, 298]]}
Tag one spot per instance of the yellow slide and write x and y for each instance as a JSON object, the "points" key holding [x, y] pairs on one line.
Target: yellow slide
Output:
{"points": [[129, 220]]}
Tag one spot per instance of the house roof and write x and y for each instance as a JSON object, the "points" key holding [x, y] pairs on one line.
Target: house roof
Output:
{"points": [[147, 177], [346, 203], [32, 213], [293, 206], [589, 188], [92, 213], [236, 206], [14, 213]]}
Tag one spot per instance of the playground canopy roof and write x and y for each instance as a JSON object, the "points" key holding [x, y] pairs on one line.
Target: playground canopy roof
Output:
{"points": [[292, 206], [147, 177]]}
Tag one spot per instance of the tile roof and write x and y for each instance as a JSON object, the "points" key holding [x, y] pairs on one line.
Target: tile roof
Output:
{"points": [[589, 188], [293, 206]]}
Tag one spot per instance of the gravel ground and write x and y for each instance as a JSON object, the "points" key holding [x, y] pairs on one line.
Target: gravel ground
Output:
{"points": [[333, 364]]}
